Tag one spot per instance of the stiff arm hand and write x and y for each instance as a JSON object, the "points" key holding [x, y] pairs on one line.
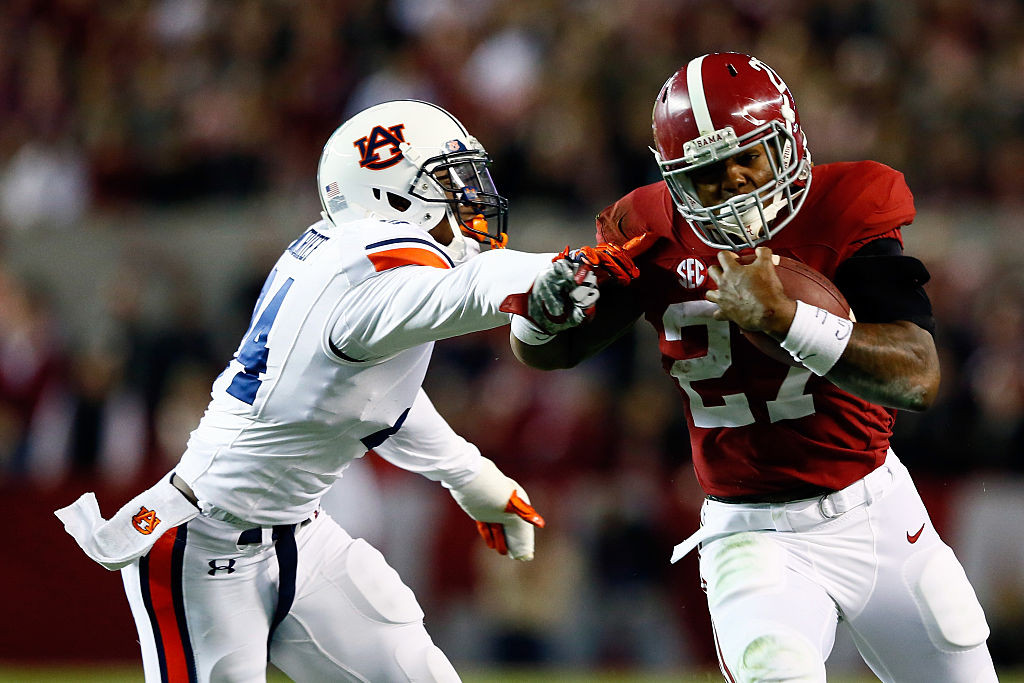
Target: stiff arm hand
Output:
{"points": [[502, 510], [565, 293]]}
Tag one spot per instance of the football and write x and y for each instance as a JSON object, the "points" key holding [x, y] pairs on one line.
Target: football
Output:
{"points": [[806, 284]]}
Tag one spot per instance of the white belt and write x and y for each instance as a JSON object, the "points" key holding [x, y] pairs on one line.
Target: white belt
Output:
{"points": [[723, 519]]}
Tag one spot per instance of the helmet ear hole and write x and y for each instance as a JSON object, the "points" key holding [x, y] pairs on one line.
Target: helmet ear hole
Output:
{"points": [[398, 203]]}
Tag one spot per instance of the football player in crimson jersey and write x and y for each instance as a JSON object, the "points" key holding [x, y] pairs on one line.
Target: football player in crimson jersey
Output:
{"points": [[810, 519]]}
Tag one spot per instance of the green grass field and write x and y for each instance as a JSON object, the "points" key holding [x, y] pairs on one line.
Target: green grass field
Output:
{"points": [[132, 674]]}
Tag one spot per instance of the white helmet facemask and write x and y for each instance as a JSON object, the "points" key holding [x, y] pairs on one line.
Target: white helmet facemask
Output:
{"points": [[412, 161]]}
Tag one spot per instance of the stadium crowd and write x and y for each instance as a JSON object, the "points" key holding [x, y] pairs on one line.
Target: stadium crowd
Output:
{"points": [[119, 110]]}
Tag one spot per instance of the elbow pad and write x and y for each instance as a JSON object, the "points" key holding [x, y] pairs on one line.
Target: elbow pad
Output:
{"points": [[884, 288]]}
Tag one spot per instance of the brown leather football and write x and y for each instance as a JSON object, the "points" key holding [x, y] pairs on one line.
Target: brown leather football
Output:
{"points": [[806, 284]]}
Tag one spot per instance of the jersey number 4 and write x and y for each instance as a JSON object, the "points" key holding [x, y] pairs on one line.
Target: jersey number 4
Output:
{"points": [[253, 352], [790, 403]]}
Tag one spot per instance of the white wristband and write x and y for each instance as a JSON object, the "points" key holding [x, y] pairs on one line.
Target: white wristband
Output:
{"points": [[817, 338], [528, 333]]}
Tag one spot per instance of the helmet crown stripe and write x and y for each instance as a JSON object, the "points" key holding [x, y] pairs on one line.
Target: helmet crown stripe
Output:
{"points": [[698, 100]]}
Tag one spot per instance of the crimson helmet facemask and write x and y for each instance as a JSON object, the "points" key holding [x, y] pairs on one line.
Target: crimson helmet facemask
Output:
{"points": [[719, 106]]}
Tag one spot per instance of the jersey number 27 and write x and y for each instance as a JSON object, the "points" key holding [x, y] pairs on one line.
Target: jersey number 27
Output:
{"points": [[790, 403]]}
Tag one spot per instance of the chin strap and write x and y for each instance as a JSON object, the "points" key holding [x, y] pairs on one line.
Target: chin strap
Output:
{"points": [[480, 232]]}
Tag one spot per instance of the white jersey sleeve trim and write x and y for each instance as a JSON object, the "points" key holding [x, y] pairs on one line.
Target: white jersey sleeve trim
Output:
{"points": [[405, 251]]}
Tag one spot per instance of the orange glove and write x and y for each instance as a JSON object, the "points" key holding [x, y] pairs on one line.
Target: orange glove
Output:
{"points": [[607, 261], [493, 533], [502, 511], [566, 292]]}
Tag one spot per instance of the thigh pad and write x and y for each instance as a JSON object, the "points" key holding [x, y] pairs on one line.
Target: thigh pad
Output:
{"points": [[376, 589], [427, 664], [946, 600], [741, 563], [780, 655]]}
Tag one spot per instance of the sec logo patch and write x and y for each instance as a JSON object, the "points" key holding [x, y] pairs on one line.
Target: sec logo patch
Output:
{"points": [[692, 273]]}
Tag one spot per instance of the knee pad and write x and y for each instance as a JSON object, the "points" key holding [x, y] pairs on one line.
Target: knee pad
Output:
{"points": [[741, 563], [375, 588], [946, 600], [426, 664], [780, 655]]}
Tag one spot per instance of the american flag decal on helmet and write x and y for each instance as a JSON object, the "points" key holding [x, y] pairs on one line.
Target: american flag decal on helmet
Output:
{"points": [[332, 190]]}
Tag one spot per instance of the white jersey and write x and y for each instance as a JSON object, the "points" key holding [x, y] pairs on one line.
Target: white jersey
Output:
{"points": [[332, 366]]}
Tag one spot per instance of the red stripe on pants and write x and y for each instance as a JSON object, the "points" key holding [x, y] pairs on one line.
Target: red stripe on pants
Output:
{"points": [[161, 593], [721, 656]]}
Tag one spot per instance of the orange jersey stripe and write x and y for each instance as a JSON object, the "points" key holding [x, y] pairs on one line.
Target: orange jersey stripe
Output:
{"points": [[161, 580], [392, 258]]}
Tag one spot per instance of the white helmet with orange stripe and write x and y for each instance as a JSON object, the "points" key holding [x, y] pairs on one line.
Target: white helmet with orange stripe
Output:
{"points": [[412, 161]]}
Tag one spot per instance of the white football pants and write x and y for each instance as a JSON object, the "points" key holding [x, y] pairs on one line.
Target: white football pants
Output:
{"points": [[781, 577], [214, 601]]}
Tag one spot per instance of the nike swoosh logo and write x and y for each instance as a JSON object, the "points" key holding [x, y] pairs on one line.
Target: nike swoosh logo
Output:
{"points": [[913, 539]]}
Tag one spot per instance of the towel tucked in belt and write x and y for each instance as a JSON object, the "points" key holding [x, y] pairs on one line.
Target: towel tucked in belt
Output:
{"points": [[133, 530]]}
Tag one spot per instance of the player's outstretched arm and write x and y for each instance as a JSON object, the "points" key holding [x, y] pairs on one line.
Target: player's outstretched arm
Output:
{"points": [[602, 312], [615, 314], [428, 446]]}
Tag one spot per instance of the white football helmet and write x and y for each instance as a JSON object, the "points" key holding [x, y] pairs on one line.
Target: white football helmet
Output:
{"points": [[412, 161]]}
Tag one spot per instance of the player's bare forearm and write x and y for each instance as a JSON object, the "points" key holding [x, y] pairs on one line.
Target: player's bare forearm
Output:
{"points": [[891, 364], [554, 355], [616, 313]]}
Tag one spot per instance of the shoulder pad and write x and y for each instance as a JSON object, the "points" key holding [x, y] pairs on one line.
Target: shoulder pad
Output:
{"points": [[636, 214], [852, 203], [392, 243], [880, 194]]}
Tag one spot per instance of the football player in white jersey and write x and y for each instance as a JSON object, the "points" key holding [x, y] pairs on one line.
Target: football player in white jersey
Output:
{"points": [[228, 561]]}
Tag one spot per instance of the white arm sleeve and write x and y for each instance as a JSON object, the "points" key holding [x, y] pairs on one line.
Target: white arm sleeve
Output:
{"points": [[411, 305], [427, 445]]}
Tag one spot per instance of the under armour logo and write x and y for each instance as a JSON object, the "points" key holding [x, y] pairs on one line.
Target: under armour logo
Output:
{"points": [[221, 566], [390, 137]]}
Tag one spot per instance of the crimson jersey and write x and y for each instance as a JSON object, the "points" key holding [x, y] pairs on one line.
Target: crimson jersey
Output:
{"points": [[758, 426]]}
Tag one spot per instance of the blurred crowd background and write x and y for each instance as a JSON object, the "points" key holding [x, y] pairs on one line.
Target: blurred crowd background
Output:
{"points": [[157, 155]]}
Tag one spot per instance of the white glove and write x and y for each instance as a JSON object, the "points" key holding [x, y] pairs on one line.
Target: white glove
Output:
{"points": [[502, 511], [562, 297]]}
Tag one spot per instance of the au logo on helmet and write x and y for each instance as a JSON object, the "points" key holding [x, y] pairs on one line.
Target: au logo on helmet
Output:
{"points": [[145, 521], [379, 138]]}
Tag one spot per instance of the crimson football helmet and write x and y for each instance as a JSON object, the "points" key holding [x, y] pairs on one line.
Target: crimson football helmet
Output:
{"points": [[413, 161], [717, 106]]}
